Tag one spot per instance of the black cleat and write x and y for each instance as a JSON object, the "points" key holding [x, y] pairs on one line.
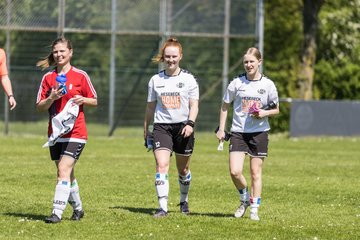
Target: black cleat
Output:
{"points": [[77, 215], [184, 208], [53, 219], [160, 213]]}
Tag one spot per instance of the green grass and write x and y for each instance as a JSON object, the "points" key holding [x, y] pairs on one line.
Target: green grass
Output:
{"points": [[310, 190]]}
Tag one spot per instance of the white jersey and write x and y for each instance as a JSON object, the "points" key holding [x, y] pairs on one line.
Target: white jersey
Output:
{"points": [[244, 94], [172, 94]]}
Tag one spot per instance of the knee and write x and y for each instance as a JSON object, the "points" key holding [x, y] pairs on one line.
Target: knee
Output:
{"points": [[162, 166], [235, 173], [184, 172], [64, 172], [255, 174]]}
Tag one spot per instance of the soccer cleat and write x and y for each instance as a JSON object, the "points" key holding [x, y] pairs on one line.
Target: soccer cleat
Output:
{"points": [[53, 219], [240, 212], [254, 216], [184, 207], [160, 213], [77, 215]]}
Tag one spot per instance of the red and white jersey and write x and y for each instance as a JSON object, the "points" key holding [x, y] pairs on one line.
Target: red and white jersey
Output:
{"points": [[244, 93], [172, 94], [77, 83]]}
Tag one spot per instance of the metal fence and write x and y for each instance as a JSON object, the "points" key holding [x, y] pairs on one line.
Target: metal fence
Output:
{"points": [[114, 41]]}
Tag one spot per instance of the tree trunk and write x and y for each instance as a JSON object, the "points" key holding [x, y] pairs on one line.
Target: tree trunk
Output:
{"points": [[308, 55]]}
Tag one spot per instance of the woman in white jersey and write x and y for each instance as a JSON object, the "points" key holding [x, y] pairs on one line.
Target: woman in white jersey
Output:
{"points": [[251, 93], [172, 104]]}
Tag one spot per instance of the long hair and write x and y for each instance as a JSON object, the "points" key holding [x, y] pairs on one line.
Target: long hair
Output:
{"points": [[170, 42], [49, 60]]}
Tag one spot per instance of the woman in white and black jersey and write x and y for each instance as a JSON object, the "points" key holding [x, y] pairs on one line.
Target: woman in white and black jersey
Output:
{"points": [[172, 105], [254, 98]]}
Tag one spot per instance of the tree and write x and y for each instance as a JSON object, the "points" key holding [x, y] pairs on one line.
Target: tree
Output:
{"points": [[308, 56], [337, 70]]}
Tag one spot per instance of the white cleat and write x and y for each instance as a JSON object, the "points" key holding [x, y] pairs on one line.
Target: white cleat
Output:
{"points": [[254, 216], [240, 212]]}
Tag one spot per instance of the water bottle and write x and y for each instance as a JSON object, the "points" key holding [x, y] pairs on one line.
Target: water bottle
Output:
{"points": [[61, 83]]}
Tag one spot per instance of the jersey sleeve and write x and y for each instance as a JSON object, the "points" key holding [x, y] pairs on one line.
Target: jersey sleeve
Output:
{"points": [[44, 89], [230, 92], [88, 88], [151, 91], [273, 94], [194, 89], [3, 67]]}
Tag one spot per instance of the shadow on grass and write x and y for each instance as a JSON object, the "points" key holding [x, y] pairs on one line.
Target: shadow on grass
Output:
{"points": [[148, 211], [217, 215], [151, 211], [27, 216]]}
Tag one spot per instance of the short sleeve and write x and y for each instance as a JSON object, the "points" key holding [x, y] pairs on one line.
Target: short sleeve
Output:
{"points": [[194, 90], [44, 88], [89, 90], [273, 94], [230, 92], [151, 92]]}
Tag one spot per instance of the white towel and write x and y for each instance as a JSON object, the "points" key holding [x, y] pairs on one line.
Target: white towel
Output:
{"points": [[63, 123]]}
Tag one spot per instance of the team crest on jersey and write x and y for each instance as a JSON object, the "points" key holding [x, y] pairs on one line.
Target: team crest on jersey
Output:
{"points": [[261, 91], [180, 85]]}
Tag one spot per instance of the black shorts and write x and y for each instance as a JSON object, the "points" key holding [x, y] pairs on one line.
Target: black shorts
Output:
{"points": [[72, 149], [168, 136], [254, 144]]}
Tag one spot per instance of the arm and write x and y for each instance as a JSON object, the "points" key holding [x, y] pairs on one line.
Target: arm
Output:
{"points": [[45, 104], [267, 113], [149, 115], [80, 100], [194, 110], [223, 115], [6, 83]]}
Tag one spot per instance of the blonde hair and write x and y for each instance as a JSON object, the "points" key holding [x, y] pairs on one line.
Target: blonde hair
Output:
{"points": [[170, 42], [253, 51], [49, 60]]}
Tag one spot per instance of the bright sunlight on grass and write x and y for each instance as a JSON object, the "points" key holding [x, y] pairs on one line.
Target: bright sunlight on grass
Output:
{"points": [[310, 190]]}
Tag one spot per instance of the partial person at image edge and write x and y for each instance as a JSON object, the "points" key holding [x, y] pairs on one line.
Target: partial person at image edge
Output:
{"points": [[5, 80]]}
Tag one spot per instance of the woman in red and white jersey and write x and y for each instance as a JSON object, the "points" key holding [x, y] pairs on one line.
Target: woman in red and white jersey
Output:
{"points": [[68, 147]]}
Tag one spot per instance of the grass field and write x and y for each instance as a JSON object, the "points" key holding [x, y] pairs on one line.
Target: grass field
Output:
{"points": [[310, 190]]}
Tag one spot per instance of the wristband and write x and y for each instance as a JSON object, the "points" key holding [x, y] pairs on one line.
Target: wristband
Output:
{"points": [[190, 123], [10, 96]]}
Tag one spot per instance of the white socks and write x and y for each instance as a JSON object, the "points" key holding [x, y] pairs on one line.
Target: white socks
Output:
{"points": [[162, 189], [74, 198], [184, 182], [254, 204], [62, 192]]}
